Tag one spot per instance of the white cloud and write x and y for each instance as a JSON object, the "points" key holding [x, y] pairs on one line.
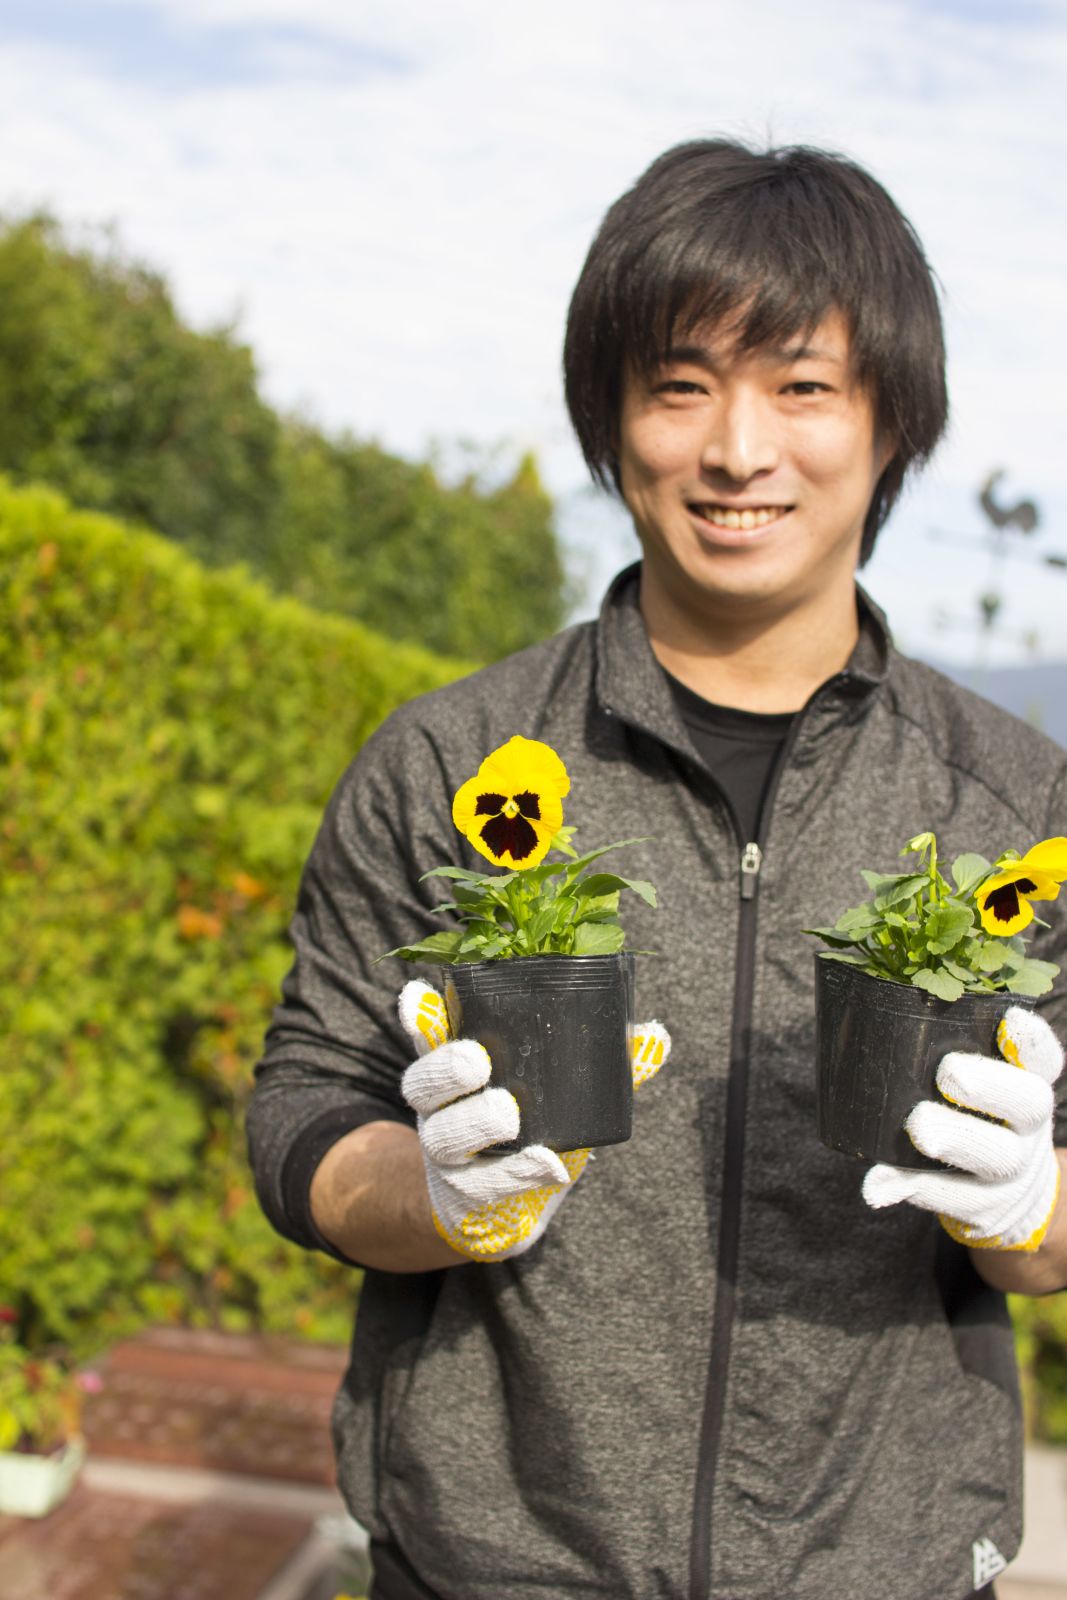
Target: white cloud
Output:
{"points": [[400, 216]]}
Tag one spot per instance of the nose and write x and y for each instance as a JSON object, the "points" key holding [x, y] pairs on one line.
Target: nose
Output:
{"points": [[741, 440]]}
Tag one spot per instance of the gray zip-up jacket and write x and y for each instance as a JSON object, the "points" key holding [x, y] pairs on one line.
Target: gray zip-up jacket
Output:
{"points": [[719, 1373]]}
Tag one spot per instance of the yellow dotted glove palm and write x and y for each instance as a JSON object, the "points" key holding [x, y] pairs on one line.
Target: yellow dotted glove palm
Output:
{"points": [[488, 1207]]}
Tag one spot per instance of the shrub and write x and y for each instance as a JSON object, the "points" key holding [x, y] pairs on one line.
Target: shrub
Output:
{"points": [[168, 738], [1041, 1342]]}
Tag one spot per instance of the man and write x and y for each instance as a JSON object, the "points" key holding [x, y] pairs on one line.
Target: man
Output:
{"points": [[710, 1369]]}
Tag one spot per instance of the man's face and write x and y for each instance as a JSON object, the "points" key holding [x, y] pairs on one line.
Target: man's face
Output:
{"points": [[749, 475]]}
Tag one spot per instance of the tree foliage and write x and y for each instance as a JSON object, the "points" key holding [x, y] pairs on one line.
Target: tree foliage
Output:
{"points": [[465, 569], [108, 395]]}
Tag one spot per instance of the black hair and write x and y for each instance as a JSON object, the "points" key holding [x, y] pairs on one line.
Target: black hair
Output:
{"points": [[766, 243]]}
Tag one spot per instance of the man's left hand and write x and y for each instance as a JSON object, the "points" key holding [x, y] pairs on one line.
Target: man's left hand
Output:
{"points": [[1004, 1191]]}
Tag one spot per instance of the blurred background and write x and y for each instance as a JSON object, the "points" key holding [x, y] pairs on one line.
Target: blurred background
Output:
{"points": [[282, 442]]}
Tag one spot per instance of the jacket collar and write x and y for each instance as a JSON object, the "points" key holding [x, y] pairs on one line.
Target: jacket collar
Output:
{"points": [[630, 684]]}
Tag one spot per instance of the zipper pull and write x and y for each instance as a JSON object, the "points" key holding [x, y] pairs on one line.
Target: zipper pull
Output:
{"points": [[751, 861]]}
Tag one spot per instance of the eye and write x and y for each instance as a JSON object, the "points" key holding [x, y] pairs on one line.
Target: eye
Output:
{"points": [[679, 386], [806, 386]]}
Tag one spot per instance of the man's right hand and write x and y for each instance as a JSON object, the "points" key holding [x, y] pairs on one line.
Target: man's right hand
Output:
{"points": [[488, 1207]]}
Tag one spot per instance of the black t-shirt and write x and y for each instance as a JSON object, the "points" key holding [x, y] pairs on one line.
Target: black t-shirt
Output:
{"points": [[740, 748]]}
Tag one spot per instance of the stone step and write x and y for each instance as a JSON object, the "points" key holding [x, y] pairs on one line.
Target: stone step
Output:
{"points": [[133, 1531], [100, 1545], [226, 1402]]}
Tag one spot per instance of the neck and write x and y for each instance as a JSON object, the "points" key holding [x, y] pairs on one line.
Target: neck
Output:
{"points": [[768, 663]]}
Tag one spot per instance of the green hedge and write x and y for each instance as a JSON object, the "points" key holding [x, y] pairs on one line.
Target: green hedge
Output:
{"points": [[1041, 1343], [168, 738]]}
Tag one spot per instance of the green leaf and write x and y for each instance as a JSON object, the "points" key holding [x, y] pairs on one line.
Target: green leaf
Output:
{"points": [[904, 889], [946, 926], [537, 877], [435, 947], [603, 883], [604, 909], [598, 939], [541, 924], [480, 893], [877, 882], [1033, 977], [565, 910], [962, 973], [849, 960], [858, 920], [831, 935], [210, 801], [935, 980], [992, 957], [967, 871], [573, 868], [463, 876]]}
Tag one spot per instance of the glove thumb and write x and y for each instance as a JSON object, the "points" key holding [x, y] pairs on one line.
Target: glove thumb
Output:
{"points": [[887, 1186], [423, 1016]]}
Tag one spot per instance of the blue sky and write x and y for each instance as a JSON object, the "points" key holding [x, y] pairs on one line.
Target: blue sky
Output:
{"points": [[156, 48], [395, 201]]}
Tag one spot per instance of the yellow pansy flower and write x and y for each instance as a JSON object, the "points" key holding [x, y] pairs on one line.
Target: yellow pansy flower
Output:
{"points": [[512, 807], [1004, 901]]}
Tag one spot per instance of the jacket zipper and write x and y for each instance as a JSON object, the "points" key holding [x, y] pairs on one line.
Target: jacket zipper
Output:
{"points": [[751, 861]]}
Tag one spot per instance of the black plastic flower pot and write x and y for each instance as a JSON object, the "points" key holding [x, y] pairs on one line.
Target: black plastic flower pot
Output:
{"points": [[878, 1046], [557, 1029]]}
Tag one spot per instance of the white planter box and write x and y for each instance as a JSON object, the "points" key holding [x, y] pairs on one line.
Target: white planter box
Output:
{"points": [[31, 1486]]}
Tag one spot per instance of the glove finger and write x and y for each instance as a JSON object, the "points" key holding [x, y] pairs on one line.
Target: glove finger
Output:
{"points": [[948, 1192], [447, 1073], [887, 1186], [1026, 1040], [650, 1047], [457, 1132], [492, 1178], [983, 1148], [981, 1083], [423, 1015]]}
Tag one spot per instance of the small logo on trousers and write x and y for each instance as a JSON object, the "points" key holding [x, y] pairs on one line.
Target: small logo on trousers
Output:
{"points": [[988, 1561]]}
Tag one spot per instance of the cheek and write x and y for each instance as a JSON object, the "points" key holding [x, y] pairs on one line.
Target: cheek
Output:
{"points": [[653, 451], [840, 456]]}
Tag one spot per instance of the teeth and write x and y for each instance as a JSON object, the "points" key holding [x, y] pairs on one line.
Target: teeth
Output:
{"points": [[722, 517]]}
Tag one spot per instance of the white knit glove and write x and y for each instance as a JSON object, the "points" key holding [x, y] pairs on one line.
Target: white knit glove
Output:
{"points": [[1005, 1194], [487, 1207]]}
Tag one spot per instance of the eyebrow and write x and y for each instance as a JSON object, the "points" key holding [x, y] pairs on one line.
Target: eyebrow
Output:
{"points": [[696, 355]]}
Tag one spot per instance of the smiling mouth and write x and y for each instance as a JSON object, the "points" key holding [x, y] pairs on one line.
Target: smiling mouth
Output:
{"points": [[728, 517]]}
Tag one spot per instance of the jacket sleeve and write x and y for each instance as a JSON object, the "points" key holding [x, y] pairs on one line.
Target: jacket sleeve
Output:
{"points": [[334, 1052]]}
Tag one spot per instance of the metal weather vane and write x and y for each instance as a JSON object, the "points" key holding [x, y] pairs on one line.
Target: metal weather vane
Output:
{"points": [[1000, 542]]}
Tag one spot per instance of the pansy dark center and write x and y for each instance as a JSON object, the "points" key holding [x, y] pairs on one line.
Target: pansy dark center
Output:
{"points": [[508, 831], [1003, 903]]}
